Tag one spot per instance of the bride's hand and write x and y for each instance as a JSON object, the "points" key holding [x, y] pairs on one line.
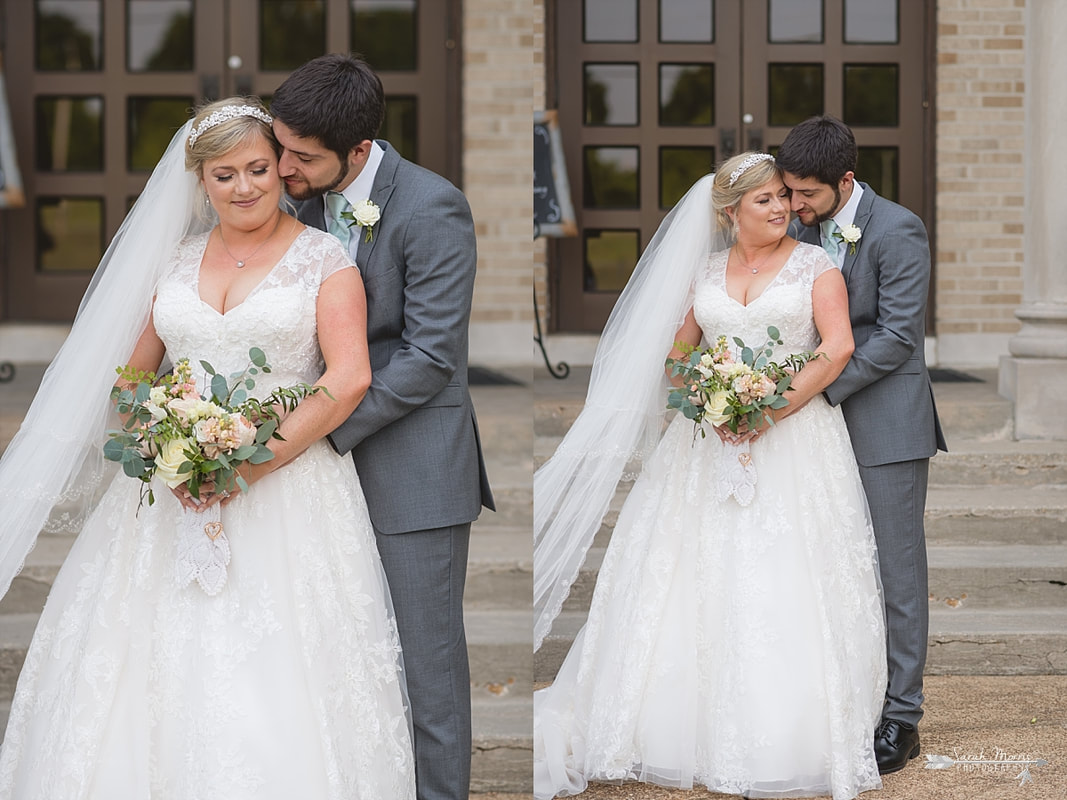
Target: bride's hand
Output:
{"points": [[743, 434], [185, 497]]}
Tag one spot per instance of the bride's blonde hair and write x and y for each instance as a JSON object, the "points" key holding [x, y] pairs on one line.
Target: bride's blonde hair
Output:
{"points": [[733, 179]]}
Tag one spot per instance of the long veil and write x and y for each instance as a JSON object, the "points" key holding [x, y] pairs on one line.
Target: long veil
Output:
{"points": [[626, 402], [51, 473]]}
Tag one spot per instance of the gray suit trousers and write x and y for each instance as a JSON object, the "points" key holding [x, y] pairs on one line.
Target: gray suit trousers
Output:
{"points": [[426, 571], [896, 494]]}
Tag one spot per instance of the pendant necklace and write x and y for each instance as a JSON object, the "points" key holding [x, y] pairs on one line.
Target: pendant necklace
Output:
{"points": [[753, 270], [240, 262]]}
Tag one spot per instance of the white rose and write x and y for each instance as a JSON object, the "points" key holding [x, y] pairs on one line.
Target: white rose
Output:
{"points": [[366, 213], [171, 456], [851, 233], [716, 410]]}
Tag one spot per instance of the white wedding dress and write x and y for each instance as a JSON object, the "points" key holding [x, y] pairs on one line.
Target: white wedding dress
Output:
{"points": [[287, 683], [739, 647]]}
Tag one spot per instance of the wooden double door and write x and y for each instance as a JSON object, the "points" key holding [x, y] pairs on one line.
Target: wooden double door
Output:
{"points": [[98, 87], [652, 94]]}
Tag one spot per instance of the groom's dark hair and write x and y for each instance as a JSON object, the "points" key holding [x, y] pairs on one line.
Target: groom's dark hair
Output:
{"points": [[337, 99], [820, 147]]}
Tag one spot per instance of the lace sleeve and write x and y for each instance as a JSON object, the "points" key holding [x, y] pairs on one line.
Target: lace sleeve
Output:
{"points": [[820, 261], [334, 257]]}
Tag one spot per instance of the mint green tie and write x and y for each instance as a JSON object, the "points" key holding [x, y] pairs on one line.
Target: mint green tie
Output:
{"points": [[335, 223], [832, 243]]}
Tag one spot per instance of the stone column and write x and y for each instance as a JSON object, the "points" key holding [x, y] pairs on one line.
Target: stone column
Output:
{"points": [[1035, 374]]}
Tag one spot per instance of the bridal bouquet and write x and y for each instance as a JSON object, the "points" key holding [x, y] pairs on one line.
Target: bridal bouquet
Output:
{"points": [[186, 438], [183, 437], [733, 390], [725, 391]]}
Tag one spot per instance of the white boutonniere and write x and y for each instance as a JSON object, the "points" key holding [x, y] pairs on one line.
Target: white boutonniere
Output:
{"points": [[365, 214], [850, 234]]}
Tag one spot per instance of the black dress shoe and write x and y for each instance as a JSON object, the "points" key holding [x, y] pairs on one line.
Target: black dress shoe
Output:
{"points": [[895, 742]]}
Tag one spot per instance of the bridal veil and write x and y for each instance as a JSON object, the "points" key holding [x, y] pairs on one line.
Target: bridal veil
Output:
{"points": [[51, 473], [626, 402]]}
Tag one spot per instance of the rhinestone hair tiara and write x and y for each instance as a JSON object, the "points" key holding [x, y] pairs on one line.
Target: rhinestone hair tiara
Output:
{"points": [[751, 161], [225, 114]]}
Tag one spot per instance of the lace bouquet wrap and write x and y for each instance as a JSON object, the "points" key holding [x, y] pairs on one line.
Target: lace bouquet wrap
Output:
{"points": [[733, 387], [183, 437]]}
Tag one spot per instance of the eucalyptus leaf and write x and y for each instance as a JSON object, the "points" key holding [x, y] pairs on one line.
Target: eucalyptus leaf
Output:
{"points": [[113, 450], [262, 455], [265, 431], [257, 357], [210, 370], [243, 453], [219, 388]]}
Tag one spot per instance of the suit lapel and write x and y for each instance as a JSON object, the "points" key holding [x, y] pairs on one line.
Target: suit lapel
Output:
{"points": [[384, 183], [311, 212], [863, 215]]}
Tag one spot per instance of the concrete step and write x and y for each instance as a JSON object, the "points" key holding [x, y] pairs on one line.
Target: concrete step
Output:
{"points": [[501, 746], [996, 515], [998, 578], [999, 462], [972, 641], [499, 568], [962, 641]]}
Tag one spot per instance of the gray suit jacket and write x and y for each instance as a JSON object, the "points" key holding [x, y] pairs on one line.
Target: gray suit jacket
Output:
{"points": [[414, 437], [884, 390]]}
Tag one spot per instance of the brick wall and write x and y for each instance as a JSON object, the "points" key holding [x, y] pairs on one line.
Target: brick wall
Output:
{"points": [[499, 84], [980, 177]]}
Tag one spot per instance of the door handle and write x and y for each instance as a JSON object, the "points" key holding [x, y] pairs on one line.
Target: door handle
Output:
{"points": [[755, 139], [727, 142]]}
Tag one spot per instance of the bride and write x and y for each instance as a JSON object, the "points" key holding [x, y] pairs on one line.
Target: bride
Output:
{"points": [[287, 682], [733, 642]]}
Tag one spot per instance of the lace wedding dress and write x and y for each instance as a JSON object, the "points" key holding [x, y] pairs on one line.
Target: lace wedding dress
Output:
{"points": [[737, 646], [287, 683]]}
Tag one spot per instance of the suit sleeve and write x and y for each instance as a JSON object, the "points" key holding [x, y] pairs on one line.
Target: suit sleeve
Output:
{"points": [[903, 281], [440, 257]]}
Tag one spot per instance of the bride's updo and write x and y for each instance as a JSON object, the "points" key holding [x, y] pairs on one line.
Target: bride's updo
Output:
{"points": [[736, 176]]}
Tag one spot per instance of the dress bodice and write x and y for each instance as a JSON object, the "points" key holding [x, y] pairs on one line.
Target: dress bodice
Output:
{"points": [[785, 303], [277, 316]]}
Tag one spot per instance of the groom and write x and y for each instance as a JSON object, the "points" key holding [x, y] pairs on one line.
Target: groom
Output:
{"points": [[414, 437], [884, 390]]}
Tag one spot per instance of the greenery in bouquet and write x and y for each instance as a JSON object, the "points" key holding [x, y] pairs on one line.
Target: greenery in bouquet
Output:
{"points": [[724, 386], [174, 432]]}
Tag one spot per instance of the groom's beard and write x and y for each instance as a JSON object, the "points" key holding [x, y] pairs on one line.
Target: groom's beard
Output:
{"points": [[306, 191], [822, 216]]}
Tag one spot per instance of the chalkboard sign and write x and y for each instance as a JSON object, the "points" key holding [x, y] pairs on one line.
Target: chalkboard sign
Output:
{"points": [[553, 211]]}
